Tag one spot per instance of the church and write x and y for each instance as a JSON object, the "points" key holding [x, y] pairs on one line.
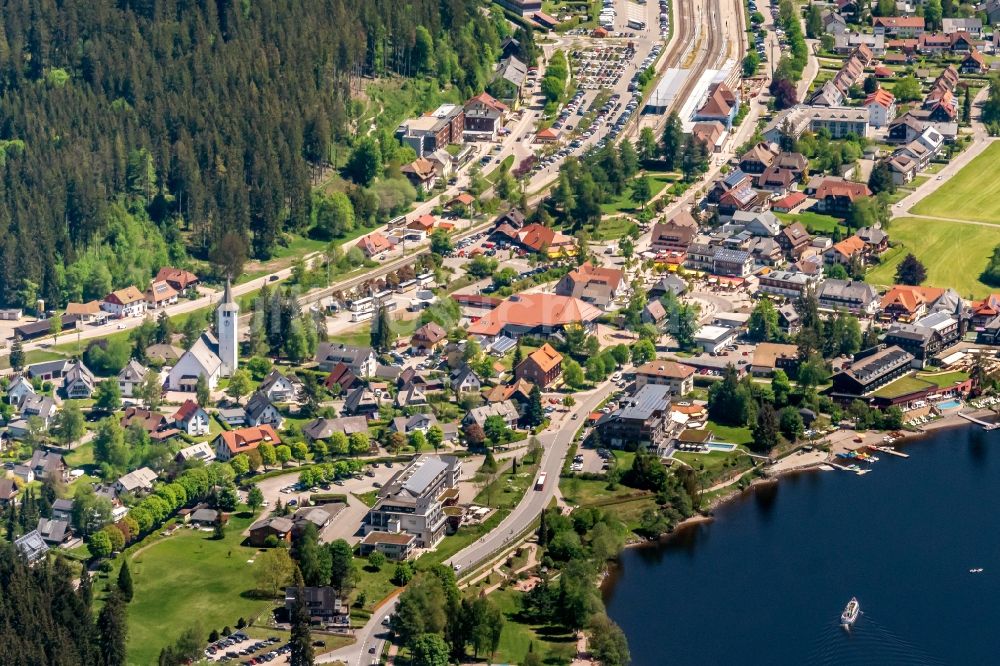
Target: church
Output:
{"points": [[208, 356]]}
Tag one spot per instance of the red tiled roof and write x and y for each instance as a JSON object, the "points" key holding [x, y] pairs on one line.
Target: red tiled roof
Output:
{"points": [[187, 410], [248, 439], [882, 97], [530, 310], [910, 298], [835, 187], [849, 246]]}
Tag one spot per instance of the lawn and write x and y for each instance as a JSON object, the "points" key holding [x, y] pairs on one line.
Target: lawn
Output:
{"points": [[375, 585], [902, 386], [283, 256], [624, 203], [553, 644], [32, 356], [613, 228], [954, 254], [971, 194], [585, 492], [730, 434], [507, 489], [814, 222], [190, 579], [944, 379]]}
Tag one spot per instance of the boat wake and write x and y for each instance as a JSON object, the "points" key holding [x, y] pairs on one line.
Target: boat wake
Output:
{"points": [[868, 642]]}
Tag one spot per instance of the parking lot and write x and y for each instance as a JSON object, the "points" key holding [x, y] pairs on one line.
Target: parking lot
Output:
{"points": [[239, 648]]}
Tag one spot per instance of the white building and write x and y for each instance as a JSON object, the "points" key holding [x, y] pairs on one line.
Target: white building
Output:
{"points": [[209, 357], [714, 338]]}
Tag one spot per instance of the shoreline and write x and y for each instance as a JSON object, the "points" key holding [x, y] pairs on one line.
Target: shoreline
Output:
{"points": [[948, 421]]}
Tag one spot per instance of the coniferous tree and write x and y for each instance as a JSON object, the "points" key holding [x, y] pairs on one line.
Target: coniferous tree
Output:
{"points": [[125, 581], [112, 631], [300, 641]]}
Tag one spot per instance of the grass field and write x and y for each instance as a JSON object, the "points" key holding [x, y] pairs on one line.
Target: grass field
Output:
{"points": [[971, 194], [954, 254], [190, 579], [814, 222], [613, 228], [585, 491]]}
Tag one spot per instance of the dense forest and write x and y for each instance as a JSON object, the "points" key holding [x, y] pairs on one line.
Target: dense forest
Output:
{"points": [[137, 132], [44, 620]]}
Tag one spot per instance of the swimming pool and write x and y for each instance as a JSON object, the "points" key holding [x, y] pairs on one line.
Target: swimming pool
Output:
{"points": [[949, 404], [720, 446]]}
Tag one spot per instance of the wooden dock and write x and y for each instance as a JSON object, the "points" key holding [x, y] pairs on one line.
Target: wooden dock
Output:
{"points": [[985, 424]]}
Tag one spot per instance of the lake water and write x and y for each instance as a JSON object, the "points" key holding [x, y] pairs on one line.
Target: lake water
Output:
{"points": [[766, 581]]}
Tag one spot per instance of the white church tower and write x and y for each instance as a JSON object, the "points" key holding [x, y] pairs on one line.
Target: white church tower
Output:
{"points": [[228, 316]]}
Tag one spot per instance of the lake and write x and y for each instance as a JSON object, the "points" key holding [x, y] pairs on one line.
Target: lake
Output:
{"points": [[766, 581]]}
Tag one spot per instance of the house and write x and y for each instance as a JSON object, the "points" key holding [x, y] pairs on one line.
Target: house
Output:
{"points": [[203, 517], [163, 354], [541, 367], [876, 240], [160, 294], [18, 389], [598, 286], [416, 423], [721, 105], [138, 481], [846, 251], [508, 82], [321, 429], [420, 172], [202, 451], [677, 376], [127, 302], [234, 417], [88, 313], [464, 380], [396, 546], [713, 338], [903, 168], [926, 337], [8, 491], [373, 244], [794, 239], [668, 283], [23, 472], [932, 42], [428, 338], [260, 411], [769, 356], [654, 313], [834, 23], [49, 370], [155, 424], [234, 442], [898, 26], [361, 401], [642, 419], [325, 608], [675, 234], [78, 382], [360, 360], [732, 263], [536, 314], [45, 465], [484, 115], [131, 377], [789, 319], [758, 158], [41, 406], [192, 419], [409, 504], [53, 532], [869, 371], [985, 310], [828, 94], [547, 135], [280, 388], [786, 284], [992, 11], [278, 527], [710, 134], [424, 223], [410, 395], [178, 278], [881, 106], [848, 296], [905, 128], [545, 240], [961, 42], [505, 409], [974, 63], [763, 224], [909, 303], [513, 218], [340, 376], [971, 26], [32, 547], [836, 196], [839, 121]]}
